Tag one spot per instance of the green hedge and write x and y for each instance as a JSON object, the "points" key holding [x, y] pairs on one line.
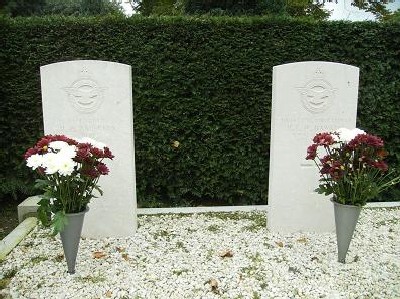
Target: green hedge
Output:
{"points": [[204, 82]]}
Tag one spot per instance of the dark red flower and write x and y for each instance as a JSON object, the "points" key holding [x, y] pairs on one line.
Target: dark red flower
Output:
{"points": [[30, 152], [107, 153], [326, 165], [41, 170], [381, 165], [63, 138], [366, 140], [43, 143], [96, 152], [326, 160], [90, 172], [312, 152], [323, 139], [102, 168], [336, 171], [374, 141], [326, 168], [83, 152]]}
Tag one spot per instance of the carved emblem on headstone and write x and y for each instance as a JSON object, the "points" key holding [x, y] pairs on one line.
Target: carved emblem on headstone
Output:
{"points": [[84, 94], [317, 94]]}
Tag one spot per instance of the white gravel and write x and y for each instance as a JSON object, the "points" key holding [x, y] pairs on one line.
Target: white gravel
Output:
{"points": [[179, 256]]}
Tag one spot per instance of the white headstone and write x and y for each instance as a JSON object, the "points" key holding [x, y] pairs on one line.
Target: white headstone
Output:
{"points": [[307, 98], [89, 98]]}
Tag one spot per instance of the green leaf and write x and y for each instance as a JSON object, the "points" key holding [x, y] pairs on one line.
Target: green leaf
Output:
{"points": [[44, 210], [42, 184], [59, 222], [44, 215], [98, 189], [44, 200], [47, 195]]}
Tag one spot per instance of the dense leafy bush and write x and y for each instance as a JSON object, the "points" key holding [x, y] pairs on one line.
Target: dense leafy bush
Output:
{"points": [[202, 92]]}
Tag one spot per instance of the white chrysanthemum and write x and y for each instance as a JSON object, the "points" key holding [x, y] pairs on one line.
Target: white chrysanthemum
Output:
{"points": [[68, 152], [357, 131], [93, 142], [34, 161], [61, 162], [346, 135], [50, 163], [58, 145], [66, 166]]}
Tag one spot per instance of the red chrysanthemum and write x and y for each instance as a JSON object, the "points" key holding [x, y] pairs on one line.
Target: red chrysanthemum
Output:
{"points": [[107, 153], [102, 168], [323, 139], [312, 152]]}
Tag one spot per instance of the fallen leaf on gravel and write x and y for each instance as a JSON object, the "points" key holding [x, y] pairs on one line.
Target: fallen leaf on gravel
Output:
{"points": [[214, 285], [59, 257], [98, 254], [108, 294], [314, 258], [302, 240], [125, 256], [226, 253]]}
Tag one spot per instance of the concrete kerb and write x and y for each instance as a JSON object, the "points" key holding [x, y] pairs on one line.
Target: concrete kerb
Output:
{"points": [[16, 236], [29, 207]]}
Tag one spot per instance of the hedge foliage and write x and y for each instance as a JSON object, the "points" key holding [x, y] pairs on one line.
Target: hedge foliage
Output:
{"points": [[204, 82]]}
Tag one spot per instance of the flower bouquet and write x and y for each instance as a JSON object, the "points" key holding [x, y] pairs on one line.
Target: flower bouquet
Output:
{"points": [[352, 168], [351, 164], [70, 170]]}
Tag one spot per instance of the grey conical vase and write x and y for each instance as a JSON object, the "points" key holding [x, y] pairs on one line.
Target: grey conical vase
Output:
{"points": [[346, 217], [70, 238]]}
